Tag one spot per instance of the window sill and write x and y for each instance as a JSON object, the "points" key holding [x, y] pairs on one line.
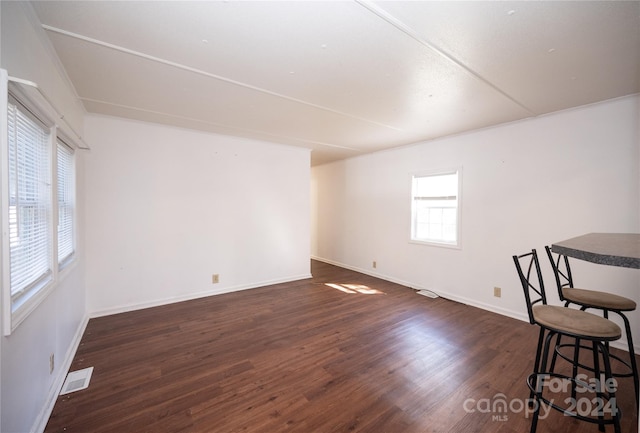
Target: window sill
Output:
{"points": [[456, 246], [18, 313]]}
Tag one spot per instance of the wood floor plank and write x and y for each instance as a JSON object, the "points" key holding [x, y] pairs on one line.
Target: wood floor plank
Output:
{"points": [[341, 352]]}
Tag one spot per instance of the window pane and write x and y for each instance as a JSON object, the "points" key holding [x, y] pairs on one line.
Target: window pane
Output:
{"points": [[441, 185], [435, 208], [29, 201], [65, 203]]}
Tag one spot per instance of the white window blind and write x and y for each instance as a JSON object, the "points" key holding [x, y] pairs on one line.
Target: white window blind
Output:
{"points": [[29, 202], [66, 195]]}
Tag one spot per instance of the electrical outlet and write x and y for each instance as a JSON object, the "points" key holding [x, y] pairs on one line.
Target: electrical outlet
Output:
{"points": [[497, 292], [215, 278], [375, 264], [52, 363]]}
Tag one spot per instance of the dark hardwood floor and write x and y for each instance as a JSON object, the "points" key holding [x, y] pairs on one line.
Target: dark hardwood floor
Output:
{"points": [[342, 352]]}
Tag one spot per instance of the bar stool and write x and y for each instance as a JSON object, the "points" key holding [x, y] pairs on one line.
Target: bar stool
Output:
{"points": [[580, 325], [607, 302]]}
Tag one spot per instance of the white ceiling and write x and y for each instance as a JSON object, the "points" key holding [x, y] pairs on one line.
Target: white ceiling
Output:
{"points": [[343, 78]]}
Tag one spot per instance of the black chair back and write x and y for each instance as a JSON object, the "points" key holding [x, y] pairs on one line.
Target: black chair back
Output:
{"points": [[561, 270], [534, 292]]}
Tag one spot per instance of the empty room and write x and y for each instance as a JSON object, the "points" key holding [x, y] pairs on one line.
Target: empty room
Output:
{"points": [[319, 216]]}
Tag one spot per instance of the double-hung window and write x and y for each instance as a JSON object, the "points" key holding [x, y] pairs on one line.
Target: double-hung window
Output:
{"points": [[37, 198], [435, 208], [30, 204], [66, 202]]}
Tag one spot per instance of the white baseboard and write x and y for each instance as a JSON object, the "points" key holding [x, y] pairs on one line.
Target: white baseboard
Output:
{"points": [[371, 273], [447, 295], [43, 418], [189, 297], [41, 421], [620, 344]]}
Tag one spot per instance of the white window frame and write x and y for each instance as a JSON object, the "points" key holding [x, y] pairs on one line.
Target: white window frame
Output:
{"points": [[16, 310], [414, 208], [66, 202]]}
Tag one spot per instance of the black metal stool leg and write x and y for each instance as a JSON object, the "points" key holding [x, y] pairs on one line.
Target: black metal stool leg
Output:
{"points": [[610, 388], [555, 353], [539, 378], [598, 379], [574, 372], [632, 355], [536, 365]]}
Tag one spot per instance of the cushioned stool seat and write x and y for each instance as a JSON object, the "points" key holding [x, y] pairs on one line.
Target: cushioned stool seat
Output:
{"points": [[576, 322], [595, 299]]}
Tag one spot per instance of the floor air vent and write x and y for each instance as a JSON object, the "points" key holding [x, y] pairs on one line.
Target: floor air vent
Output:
{"points": [[77, 380]]}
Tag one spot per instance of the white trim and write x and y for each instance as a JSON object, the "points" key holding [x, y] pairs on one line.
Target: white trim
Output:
{"points": [[449, 56], [5, 296], [373, 274], [619, 344], [4, 204], [19, 311], [437, 172], [31, 92], [41, 421], [210, 75], [174, 299], [491, 127]]}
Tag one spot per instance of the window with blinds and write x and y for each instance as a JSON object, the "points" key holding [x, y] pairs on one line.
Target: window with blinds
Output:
{"points": [[66, 205], [30, 203], [37, 200], [435, 208]]}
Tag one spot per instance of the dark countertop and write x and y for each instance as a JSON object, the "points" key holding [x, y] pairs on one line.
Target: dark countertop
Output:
{"points": [[614, 249]]}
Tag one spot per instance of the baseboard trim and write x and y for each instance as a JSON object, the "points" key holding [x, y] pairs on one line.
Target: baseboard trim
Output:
{"points": [[174, 299], [620, 344], [43, 418], [444, 294]]}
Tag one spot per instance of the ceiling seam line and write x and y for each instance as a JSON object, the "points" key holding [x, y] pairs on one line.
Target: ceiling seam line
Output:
{"points": [[385, 16], [50, 49], [219, 124], [210, 75]]}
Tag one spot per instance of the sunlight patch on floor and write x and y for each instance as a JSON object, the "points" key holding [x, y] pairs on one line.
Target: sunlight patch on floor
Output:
{"points": [[355, 288]]}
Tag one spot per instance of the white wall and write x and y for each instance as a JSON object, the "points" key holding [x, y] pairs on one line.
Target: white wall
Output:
{"points": [[525, 185], [169, 207], [27, 389]]}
